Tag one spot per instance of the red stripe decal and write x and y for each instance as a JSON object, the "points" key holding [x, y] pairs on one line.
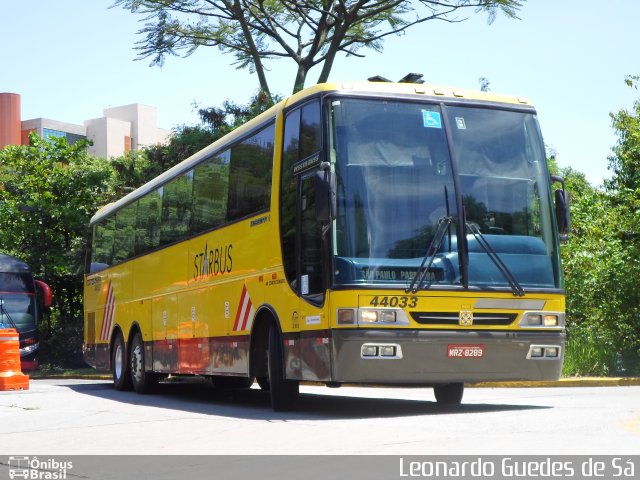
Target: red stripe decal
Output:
{"points": [[240, 305], [245, 311], [109, 313]]}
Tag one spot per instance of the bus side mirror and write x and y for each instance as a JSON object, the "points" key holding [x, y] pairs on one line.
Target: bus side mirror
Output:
{"points": [[562, 209], [325, 187], [45, 293]]}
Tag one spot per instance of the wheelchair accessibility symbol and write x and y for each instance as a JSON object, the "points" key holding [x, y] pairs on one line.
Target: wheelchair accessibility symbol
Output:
{"points": [[431, 119]]}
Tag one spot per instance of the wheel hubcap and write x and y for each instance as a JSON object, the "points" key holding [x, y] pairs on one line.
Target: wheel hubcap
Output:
{"points": [[118, 361]]}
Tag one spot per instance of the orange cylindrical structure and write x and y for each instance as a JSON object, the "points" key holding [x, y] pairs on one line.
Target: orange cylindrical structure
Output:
{"points": [[10, 133], [11, 378]]}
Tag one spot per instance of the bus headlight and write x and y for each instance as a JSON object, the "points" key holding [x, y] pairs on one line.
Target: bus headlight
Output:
{"points": [[542, 319], [371, 316], [29, 349], [377, 316]]}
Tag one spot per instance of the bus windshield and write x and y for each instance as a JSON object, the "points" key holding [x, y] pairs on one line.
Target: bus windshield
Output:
{"points": [[404, 167], [17, 301]]}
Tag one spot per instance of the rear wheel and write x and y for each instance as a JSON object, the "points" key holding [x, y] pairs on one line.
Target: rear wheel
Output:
{"points": [[450, 394], [283, 392], [119, 364], [142, 380]]}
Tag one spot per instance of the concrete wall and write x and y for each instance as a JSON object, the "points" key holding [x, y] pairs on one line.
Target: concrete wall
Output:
{"points": [[144, 121], [109, 136]]}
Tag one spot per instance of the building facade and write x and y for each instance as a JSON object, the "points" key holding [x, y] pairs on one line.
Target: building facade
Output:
{"points": [[118, 131]]}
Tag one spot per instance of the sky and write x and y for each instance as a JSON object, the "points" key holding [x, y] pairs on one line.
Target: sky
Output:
{"points": [[70, 59]]}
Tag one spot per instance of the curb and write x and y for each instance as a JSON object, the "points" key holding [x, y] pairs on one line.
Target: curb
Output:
{"points": [[564, 382]]}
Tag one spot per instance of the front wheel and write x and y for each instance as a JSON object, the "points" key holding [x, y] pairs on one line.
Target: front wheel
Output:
{"points": [[142, 380], [283, 392], [450, 394], [119, 364]]}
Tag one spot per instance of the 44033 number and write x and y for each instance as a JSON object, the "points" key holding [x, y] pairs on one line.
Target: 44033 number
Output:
{"points": [[394, 302]]}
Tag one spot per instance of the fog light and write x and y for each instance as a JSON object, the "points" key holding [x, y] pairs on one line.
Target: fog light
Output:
{"points": [[346, 316], [369, 351], [551, 352], [536, 352], [387, 351], [550, 320], [368, 316]]}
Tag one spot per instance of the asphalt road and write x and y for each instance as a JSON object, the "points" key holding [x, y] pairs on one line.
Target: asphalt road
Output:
{"points": [[71, 417]]}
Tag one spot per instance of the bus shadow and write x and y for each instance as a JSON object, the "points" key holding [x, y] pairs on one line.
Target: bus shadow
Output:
{"points": [[255, 404]]}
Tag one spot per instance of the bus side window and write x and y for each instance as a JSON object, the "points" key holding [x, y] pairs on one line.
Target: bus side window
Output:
{"points": [[102, 244], [210, 191], [124, 238], [148, 222], [176, 209], [250, 175]]}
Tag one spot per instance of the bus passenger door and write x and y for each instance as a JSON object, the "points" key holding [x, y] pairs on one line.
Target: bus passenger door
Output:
{"points": [[314, 334], [310, 243]]}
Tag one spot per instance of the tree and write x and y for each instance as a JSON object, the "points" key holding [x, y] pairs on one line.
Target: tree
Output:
{"points": [[48, 192], [602, 260], [624, 186], [310, 32]]}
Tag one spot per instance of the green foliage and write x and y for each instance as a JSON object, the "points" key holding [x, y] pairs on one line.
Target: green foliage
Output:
{"points": [[602, 261], [48, 192], [590, 351]]}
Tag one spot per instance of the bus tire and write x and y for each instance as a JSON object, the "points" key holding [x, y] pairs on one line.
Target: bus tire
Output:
{"points": [[142, 380], [283, 392], [120, 365], [449, 394]]}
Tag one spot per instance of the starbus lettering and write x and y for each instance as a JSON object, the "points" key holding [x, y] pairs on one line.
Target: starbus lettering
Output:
{"points": [[211, 262]]}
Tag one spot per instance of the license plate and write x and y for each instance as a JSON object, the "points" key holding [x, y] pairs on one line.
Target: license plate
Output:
{"points": [[465, 351]]}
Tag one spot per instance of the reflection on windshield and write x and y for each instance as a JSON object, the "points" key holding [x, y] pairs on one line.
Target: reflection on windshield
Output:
{"points": [[395, 181]]}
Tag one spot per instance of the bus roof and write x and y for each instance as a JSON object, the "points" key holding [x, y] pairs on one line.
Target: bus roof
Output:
{"points": [[9, 264], [357, 88]]}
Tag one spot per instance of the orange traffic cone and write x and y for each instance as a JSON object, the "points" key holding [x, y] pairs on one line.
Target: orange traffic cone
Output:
{"points": [[11, 378]]}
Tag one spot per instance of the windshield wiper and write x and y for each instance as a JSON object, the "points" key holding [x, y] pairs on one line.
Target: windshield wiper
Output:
{"points": [[517, 290], [430, 256]]}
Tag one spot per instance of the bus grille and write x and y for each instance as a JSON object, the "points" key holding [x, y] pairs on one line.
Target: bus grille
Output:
{"points": [[451, 318]]}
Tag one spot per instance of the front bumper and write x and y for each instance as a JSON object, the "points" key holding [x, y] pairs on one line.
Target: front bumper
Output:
{"points": [[423, 356]]}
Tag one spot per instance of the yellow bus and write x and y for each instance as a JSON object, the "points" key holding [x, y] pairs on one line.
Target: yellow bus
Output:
{"points": [[361, 233]]}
